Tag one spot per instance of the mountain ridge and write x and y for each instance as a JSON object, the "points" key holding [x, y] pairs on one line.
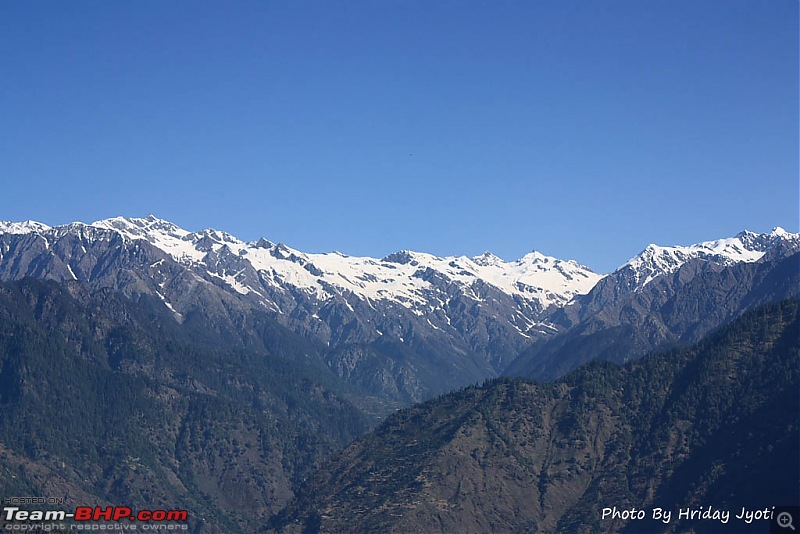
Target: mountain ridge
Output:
{"points": [[531, 277], [744, 246], [406, 326]]}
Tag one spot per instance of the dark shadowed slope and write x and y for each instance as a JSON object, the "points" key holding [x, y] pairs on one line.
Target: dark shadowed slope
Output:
{"points": [[104, 400], [715, 424]]}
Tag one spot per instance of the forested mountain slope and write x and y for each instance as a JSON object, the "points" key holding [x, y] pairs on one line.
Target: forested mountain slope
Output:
{"points": [[105, 400], [715, 424]]}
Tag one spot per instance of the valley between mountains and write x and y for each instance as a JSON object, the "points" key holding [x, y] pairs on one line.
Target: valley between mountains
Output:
{"points": [[258, 386]]}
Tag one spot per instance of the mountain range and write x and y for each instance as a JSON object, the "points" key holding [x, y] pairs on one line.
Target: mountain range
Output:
{"points": [[407, 326], [261, 387]]}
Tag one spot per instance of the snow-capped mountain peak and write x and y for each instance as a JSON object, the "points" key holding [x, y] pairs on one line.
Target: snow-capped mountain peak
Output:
{"points": [[25, 227], [138, 227], [404, 277], [779, 232], [746, 246], [487, 258], [175, 241]]}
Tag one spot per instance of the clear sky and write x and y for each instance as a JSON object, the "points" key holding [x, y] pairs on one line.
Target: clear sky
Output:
{"points": [[582, 129]]}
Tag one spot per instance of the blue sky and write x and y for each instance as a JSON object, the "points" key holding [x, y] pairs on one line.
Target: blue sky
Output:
{"points": [[582, 129]]}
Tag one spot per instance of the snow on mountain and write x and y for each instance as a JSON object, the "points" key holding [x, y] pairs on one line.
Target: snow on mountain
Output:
{"points": [[418, 281], [26, 227], [397, 324], [175, 241], [539, 279], [746, 246]]}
